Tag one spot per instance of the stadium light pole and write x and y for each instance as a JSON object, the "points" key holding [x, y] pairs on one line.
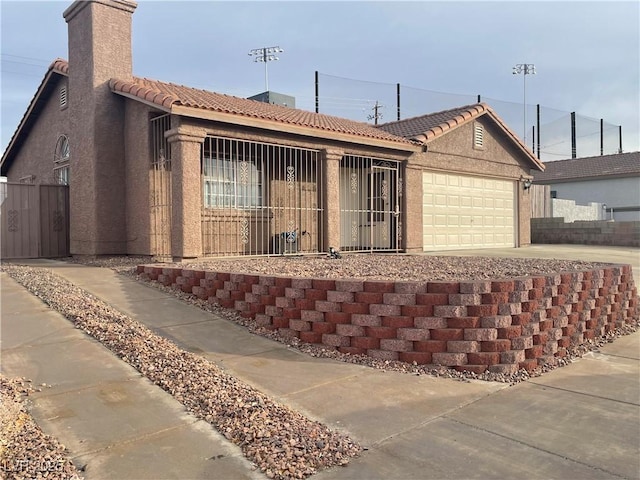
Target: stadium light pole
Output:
{"points": [[524, 69], [265, 55]]}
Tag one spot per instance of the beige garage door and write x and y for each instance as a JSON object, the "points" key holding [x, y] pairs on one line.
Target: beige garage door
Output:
{"points": [[467, 212]]}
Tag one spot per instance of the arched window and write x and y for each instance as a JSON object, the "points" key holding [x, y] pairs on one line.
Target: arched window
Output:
{"points": [[61, 161]]}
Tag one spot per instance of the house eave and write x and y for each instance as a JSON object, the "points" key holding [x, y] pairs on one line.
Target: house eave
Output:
{"points": [[142, 100], [447, 127], [289, 128]]}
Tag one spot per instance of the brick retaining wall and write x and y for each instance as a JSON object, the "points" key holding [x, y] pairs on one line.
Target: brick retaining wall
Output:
{"points": [[495, 325]]}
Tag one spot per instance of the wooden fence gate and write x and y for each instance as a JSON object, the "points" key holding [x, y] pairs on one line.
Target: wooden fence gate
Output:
{"points": [[34, 221]]}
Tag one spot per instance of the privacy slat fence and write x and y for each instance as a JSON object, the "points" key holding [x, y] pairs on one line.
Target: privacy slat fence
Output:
{"points": [[540, 201], [34, 221]]}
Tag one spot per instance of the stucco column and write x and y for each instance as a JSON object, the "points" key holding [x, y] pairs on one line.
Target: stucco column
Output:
{"points": [[523, 208], [186, 234], [413, 207], [331, 205]]}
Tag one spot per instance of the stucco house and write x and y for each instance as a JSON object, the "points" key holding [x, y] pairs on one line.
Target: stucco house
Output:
{"points": [[612, 180], [165, 170]]}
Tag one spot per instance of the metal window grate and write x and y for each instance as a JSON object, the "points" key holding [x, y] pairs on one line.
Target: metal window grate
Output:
{"points": [[260, 198], [61, 155], [160, 189]]}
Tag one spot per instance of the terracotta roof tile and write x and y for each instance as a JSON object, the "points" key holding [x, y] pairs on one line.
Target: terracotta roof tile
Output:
{"points": [[616, 165], [426, 127], [167, 95], [61, 66]]}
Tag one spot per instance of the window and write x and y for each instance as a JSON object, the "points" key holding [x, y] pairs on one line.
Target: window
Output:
{"points": [[478, 135], [61, 161], [232, 175], [554, 194]]}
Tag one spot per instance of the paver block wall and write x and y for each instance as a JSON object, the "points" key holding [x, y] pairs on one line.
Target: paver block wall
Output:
{"points": [[498, 325]]}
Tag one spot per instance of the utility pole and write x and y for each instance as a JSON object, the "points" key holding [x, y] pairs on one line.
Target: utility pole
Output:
{"points": [[376, 113]]}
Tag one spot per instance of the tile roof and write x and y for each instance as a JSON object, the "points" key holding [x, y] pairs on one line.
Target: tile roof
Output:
{"points": [[168, 95], [616, 165], [425, 128], [60, 66], [429, 126]]}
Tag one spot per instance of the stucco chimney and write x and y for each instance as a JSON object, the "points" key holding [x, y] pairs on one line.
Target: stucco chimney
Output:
{"points": [[99, 49]]}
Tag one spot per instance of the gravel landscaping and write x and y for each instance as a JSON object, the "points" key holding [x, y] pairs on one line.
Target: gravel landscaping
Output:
{"points": [[25, 451], [280, 442], [374, 267]]}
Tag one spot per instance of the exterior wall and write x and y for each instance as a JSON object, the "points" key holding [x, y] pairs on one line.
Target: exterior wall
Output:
{"points": [[99, 49], [413, 206], [137, 171], [499, 325], [616, 193], [555, 230], [36, 154], [455, 152]]}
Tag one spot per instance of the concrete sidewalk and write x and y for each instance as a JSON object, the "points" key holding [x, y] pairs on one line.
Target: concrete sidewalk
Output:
{"points": [[114, 421], [581, 421]]}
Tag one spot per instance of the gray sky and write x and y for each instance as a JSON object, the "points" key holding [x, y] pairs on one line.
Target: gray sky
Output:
{"points": [[587, 57]]}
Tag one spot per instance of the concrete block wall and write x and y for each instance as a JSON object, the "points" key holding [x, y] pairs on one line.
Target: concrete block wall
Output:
{"points": [[500, 325], [557, 231], [571, 212]]}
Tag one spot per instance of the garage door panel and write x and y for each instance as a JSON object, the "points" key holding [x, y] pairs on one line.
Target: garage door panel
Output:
{"points": [[467, 212], [440, 220]]}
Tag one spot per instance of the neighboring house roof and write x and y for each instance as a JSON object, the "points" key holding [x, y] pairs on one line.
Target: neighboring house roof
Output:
{"points": [[183, 100], [426, 128], [58, 68], [589, 168]]}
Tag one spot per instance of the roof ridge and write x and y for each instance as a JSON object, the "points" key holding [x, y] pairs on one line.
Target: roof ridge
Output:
{"points": [[434, 114]]}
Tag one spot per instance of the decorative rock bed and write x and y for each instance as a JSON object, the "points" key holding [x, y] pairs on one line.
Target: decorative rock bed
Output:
{"points": [[500, 325]]}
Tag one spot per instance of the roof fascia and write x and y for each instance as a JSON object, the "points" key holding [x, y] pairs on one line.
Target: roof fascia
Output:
{"points": [[288, 128], [142, 100], [537, 163], [488, 111]]}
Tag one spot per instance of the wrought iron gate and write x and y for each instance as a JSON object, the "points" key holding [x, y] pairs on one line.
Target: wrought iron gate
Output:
{"points": [[370, 200], [35, 220]]}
